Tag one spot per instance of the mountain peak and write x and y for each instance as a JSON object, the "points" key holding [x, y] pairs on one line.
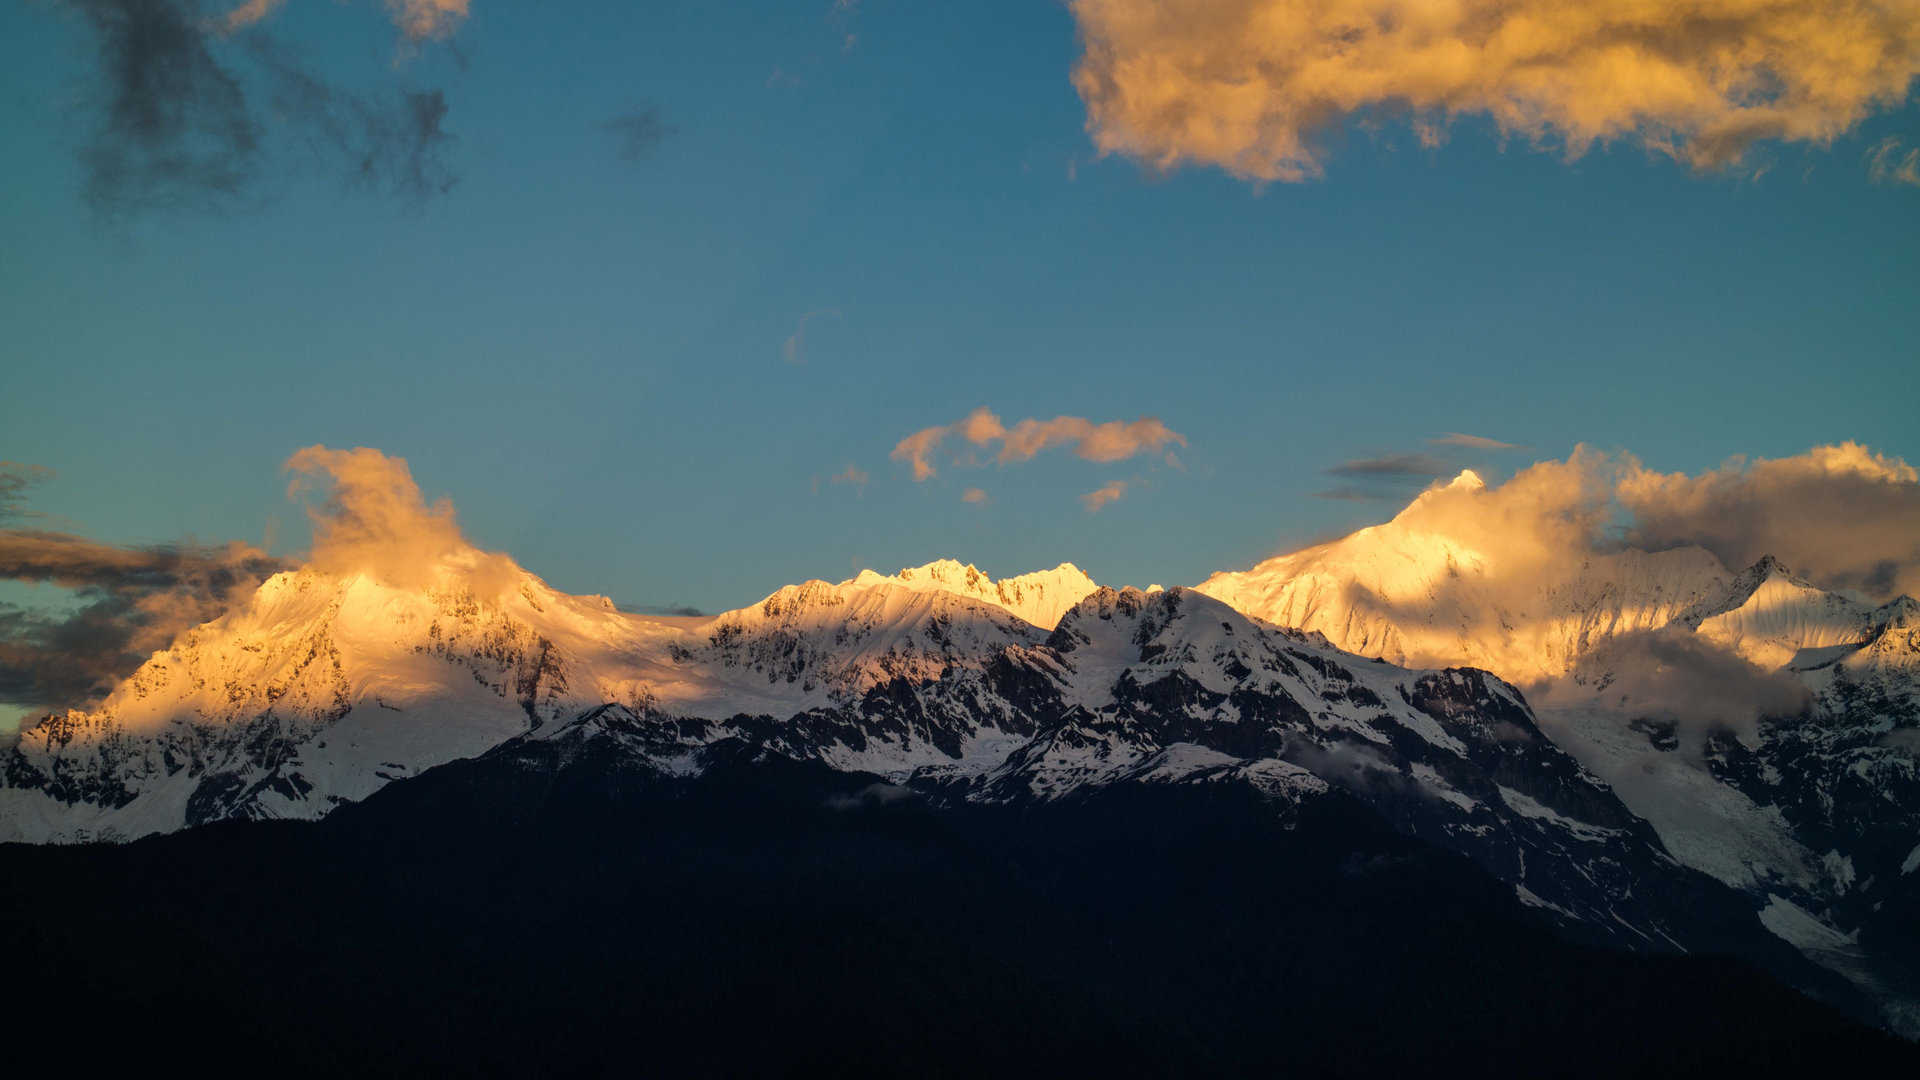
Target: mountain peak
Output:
{"points": [[1767, 567], [1040, 597]]}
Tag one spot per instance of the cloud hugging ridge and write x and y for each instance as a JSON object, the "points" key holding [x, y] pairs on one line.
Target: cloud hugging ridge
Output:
{"points": [[128, 600], [1253, 86], [1841, 516]]}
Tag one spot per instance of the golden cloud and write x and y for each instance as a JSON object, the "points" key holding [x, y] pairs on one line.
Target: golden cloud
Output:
{"points": [[374, 520], [1114, 440], [917, 447], [248, 13], [1892, 161], [424, 19], [418, 19], [854, 475], [1251, 85], [1842, 516], [1094, 500]]}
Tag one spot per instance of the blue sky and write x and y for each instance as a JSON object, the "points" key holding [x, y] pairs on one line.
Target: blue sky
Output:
{"points": [[586, 352]]}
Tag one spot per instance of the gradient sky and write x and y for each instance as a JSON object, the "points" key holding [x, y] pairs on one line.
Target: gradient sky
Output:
{"points": [[587, 353]]}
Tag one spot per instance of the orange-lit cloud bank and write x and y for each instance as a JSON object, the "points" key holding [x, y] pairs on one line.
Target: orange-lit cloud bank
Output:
{"points": [[1250, 85], [1841, 515], [1529, 577]]}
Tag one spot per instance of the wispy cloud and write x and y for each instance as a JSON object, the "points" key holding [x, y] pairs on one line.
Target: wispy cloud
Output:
{"points": [[1111, 441], [637, 133], [1253, 86], [1393, 466], [680, 610], [1472, 442], [1356, 494], [976, 496], [917, 448], [1892, 161], [16, 481], [794, 349], [424, 19], [854, 476], [417, 19], [1095, 500], [249, 13]]}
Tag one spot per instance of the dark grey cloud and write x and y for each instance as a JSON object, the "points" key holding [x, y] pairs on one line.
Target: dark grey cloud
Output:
{"points": [[639, 132], [130, 601], [660, 609], [1356, 494], [193, 117], [16, 480], [392, 143], [1394, 467], [175, 127]]}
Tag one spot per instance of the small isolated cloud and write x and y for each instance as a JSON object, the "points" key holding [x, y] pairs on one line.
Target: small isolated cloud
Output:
{"points": [[1892, 161], [1256, 86], [1472, 442], [1107, 442], [637, 133], [1394, 466], [852, 475], [794, 349], [976, 496], [1095, 500]]}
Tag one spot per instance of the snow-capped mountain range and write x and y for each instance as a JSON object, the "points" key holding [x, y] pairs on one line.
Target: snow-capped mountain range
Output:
{"points": [[1353, 667]]}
